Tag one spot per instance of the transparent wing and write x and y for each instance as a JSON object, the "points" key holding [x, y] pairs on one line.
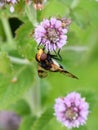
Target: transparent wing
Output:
{"points": [[42, 73]]}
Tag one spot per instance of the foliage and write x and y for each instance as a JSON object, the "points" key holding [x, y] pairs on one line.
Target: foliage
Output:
{"points": [[21, 89]]}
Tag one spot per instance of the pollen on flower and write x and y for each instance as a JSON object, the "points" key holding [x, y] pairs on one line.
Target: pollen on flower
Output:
{"points": [[51, 34], [72, 111]]}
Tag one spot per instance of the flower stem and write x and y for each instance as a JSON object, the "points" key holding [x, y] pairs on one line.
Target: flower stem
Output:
{"points": [[19, 60], [37, 97], [76, 48], [36, 94], [7, 30], [33, 97], [31, 14]]}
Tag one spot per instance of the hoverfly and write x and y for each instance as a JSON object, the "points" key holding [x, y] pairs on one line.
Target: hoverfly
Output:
{"points": [[47, 62]]}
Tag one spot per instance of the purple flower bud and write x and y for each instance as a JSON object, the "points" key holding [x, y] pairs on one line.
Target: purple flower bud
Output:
{"points": [[2, 2], [12, 1], [72, 110], [9, 120], [51, 34], [11, 9]]}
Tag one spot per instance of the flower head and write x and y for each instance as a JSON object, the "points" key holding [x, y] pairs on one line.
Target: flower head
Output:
{"points": [[37, 4], [72, 110], [9, 120], [2, 3], [11, 2], [51, 34], [11, 9]]}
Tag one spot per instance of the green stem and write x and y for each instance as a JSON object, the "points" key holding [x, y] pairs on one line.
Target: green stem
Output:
{"points": [[19, 61], [36, 94], [31, 14], [76, 48], [33, 96], [7, 30], [37, 97], [74, 4]]}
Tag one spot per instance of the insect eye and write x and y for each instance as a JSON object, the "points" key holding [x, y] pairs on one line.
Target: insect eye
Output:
{"points": [[43, 57]]}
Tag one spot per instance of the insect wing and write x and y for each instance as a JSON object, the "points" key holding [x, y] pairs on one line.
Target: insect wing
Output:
{"points": [[68, 74], [58, 67], [42, 73]]}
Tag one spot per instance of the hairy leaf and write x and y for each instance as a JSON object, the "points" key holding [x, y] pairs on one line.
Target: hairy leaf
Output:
{"points": [[43, 119], [13, 88], [25, 43], [21, 107], [5, 64], [55, 8], [27, 123]]}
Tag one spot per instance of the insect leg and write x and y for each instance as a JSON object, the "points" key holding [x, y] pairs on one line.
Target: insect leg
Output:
{"points": [[38, 46], [57, 55], [60, 58]]}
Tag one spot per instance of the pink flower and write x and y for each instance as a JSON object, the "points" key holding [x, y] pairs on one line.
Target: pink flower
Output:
{"points": [[11, 2], [72, 110], [51, 34], [11, 9], [9, 120], [2, 3]]}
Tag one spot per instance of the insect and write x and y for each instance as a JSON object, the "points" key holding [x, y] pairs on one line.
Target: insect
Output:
{"points": [[47, 62]]}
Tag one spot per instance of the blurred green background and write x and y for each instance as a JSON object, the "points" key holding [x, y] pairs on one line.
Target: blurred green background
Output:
{"points": [[21, 89]]}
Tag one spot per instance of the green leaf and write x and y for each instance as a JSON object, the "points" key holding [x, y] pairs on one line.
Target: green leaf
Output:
{"points": [[19, 7], [43, 119], [21, 107], [55, 8], [82, 20], [45, 89], [27, 123], [81, 128], [5, 65], [13, 88], [25, 43], [2, 34]]}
